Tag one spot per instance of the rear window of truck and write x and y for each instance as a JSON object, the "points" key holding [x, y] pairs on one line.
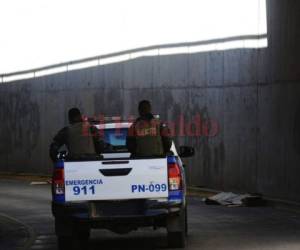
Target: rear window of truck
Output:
{"points": [[115, 139]]}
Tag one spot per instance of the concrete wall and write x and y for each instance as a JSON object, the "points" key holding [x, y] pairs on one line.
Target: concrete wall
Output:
{"points": [[252, 94]]}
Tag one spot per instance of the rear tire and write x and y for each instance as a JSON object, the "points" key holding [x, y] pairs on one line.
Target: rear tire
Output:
{"points": [[176, 227], [64, 243], [176, 239], [71, 236], [72, 242], [186, 222]]}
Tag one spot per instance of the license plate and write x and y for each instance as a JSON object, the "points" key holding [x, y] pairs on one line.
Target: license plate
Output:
{"points": [[116, 208]]}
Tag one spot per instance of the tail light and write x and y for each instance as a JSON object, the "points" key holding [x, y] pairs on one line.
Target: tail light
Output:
{"points": [[58, 181], [174, 175]]}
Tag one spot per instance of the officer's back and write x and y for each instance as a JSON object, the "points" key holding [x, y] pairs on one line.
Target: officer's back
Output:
{"points": [[80, 140], [78, 137], [148, 136]]}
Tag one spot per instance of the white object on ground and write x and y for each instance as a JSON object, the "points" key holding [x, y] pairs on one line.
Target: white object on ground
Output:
{"points": [[230, 199]]}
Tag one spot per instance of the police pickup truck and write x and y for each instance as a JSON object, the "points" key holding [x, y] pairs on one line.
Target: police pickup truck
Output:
{"points": [[117, 192]]}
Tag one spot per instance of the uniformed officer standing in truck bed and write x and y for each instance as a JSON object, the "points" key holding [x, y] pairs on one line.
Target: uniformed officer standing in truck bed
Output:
{"points": [[79, 137], [148, 136]]}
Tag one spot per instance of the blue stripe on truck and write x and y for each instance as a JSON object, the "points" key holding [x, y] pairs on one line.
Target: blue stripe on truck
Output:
{"points": [[175, 195], [59, 164], [59, 198], [171, 159]]}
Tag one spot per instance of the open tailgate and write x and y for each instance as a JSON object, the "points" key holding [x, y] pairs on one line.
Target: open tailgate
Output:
{"points": [[116, 179]]}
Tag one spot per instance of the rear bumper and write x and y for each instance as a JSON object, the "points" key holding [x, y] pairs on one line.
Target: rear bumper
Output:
{"points": [[151, 210]]}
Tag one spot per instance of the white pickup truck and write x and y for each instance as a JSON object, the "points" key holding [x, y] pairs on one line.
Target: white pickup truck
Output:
{"points": [[118, 192]]}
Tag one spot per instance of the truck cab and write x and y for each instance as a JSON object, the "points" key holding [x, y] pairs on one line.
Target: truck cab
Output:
{"points": [[119, 192]]}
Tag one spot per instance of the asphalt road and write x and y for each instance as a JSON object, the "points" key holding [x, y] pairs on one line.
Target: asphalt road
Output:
{"points": [[210, 227]]}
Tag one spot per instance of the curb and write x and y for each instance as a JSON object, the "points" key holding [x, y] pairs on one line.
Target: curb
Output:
{"points": [[24, 176], [31, 233], [201, 192], [283, 205]]}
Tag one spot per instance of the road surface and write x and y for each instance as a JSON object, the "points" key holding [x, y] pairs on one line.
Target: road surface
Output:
{"points": [[210, 227]]}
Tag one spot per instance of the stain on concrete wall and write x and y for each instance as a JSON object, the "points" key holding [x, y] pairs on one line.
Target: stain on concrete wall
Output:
{"points": [[20, 120]]}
